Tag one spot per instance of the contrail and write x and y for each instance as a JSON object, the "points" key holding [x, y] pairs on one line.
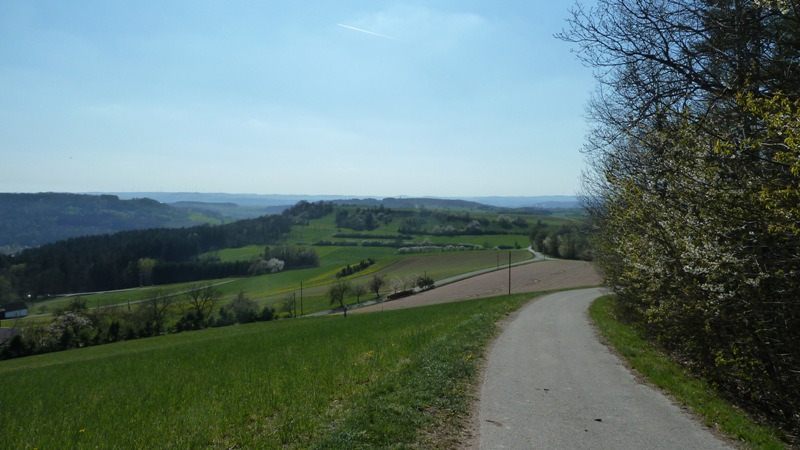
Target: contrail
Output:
{"points": [[366, 31]]}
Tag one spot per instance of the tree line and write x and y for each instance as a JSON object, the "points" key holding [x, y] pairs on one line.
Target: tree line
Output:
{"points": [[693, 188], [160, 311], [566, 241]]}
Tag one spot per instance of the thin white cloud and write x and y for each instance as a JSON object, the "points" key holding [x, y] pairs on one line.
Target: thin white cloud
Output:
{"points": [[365, 31], [433, 31]]}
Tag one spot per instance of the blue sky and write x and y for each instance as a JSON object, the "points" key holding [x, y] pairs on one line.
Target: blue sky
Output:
{"points": [[386, 98]]}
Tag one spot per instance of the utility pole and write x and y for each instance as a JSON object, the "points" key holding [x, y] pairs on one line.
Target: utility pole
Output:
{"points": [[301, 299], [509, 273]]}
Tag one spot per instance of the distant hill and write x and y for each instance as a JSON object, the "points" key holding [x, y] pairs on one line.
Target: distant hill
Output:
{"points": [[30, 220], [278, 201], [227, 212], [440, 203], [546, 201]]}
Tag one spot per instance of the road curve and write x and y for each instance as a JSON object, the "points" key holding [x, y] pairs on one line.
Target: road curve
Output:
{"points": [[550, 384]]}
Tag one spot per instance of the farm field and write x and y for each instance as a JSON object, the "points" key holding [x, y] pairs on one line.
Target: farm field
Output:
{"points": [[371, 380], [273, 288], [534, 277]]}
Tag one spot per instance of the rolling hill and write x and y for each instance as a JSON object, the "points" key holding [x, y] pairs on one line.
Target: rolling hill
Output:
{"points": [[30, 220]]}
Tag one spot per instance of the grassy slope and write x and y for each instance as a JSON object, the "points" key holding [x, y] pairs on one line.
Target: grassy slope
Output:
{"points": [[671, 377], [367, 381]]}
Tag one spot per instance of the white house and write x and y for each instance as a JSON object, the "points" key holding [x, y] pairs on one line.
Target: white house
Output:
{"points": [[13, 310]]}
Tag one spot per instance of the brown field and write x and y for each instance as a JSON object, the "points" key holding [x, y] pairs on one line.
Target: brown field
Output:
{"points": [[534, 277]]}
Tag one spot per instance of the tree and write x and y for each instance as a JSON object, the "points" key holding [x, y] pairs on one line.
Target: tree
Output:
{"points": [[409, 282], [76, 304], [7, 294], [202, 300], [358, 291], [146, 266], [274, 265], [69, 328], [396, 284], [338, 291], [244, 308], [258, 267], [376, 283], [155, 308], [693, 183], [289, 305], [424, 282]]}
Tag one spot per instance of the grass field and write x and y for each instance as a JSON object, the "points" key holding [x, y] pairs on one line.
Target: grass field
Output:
{"points": [[395, 379]]}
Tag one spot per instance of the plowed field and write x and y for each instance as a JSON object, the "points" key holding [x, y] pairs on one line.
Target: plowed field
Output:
{"points": [[538, 276]]}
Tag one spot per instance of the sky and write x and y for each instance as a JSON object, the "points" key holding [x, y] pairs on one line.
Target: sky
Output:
{"points": [[365, 98]]}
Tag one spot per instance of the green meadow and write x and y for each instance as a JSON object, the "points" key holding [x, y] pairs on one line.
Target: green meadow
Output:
{"points": [[395, 379]]}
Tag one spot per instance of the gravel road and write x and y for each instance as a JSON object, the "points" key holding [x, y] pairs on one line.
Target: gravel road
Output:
{"points": [[549, 384]]}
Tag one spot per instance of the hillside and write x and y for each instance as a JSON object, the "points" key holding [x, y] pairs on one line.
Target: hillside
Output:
{"points": [[279, 200], [30, 220]]}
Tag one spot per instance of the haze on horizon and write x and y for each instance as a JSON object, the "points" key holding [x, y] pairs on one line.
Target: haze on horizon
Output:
{"points": [[436, 98]]}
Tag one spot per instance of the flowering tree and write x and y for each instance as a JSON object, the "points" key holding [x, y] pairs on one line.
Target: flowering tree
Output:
{"points": [[694, 183], [274, 265]]}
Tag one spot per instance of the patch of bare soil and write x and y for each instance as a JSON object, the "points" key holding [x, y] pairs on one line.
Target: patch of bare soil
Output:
{"points": [[534, 277]]}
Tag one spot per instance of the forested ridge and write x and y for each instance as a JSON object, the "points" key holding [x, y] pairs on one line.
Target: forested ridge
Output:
{"points": [[693, 188], [143, 257], [30, 220]]}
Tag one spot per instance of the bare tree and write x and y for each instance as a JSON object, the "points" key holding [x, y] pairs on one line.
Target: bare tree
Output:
{"points": [[396, 284], [289, 304], [338, 291], [202, 299], [155, 308], [376, 283], [409, 282], [358, 291]]}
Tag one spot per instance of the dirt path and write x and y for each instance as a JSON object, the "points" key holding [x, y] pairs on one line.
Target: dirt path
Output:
{"points": [[533, 277]]}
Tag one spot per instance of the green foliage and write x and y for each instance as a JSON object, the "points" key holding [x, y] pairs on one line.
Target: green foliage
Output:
{"points": [[293, 256], [350, 270], [694, 188], [424, 282], [700, 396], [567, 241], [359, 219]]}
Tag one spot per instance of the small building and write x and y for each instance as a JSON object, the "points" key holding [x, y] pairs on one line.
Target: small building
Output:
{"points": [[8, 333], [14, 310]]}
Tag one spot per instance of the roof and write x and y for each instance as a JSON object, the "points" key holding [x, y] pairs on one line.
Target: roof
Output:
{"points": [[16, 306]]}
